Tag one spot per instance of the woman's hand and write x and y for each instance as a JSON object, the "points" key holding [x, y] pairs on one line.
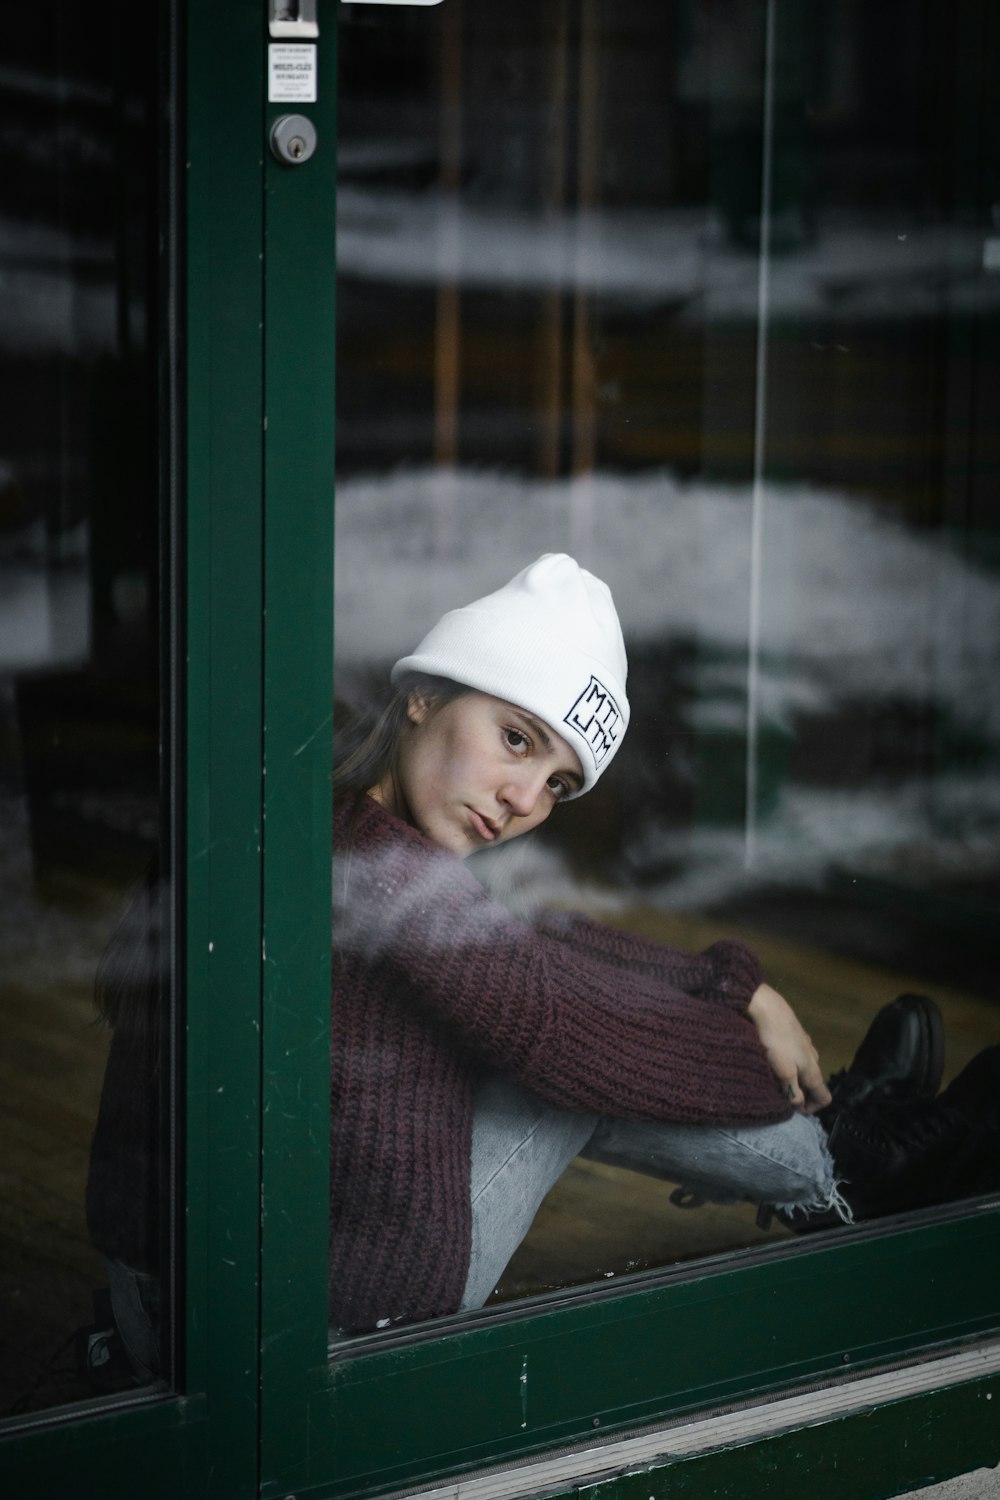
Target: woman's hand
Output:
{"points": [[791, 1054]]}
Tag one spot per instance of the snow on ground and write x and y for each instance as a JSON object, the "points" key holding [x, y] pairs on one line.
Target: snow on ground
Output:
{"points": [[858, 266]]}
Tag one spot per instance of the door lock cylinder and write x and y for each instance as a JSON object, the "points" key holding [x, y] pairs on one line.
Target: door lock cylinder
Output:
{"points": [[293, 139]]}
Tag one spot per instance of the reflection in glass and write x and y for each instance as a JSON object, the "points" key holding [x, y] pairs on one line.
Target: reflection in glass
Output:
{"points": [[707, 297], [81, 805]]}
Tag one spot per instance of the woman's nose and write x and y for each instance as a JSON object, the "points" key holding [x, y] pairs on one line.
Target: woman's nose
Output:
{"points": [[521, 793]]}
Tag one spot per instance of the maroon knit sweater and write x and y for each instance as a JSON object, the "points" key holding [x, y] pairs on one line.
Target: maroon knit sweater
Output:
{"points": [[434, 981]]}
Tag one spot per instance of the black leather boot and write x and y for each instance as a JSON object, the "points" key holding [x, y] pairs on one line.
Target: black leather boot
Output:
{"points": [[901, 1057], [895, 1155], [900, 1060]]}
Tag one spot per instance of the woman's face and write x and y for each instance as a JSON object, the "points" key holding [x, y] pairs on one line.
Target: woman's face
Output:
{"points": [[477, 771]]}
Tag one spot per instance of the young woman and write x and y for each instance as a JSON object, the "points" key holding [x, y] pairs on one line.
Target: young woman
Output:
{"points": [[475, 1056]]}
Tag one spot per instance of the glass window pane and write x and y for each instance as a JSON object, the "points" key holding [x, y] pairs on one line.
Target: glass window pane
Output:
{"points": [[702, 295], [84, 762]]}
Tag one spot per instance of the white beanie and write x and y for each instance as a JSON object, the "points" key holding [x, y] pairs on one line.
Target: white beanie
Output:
{"points": [[549, 642]]}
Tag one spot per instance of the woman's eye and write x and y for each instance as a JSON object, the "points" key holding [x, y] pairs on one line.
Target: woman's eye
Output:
{"points": [[516, 740], [557, 786]]}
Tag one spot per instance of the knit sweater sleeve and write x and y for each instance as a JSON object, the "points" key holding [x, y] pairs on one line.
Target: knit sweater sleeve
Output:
{"points": [[583, 1031], [728, 972]]}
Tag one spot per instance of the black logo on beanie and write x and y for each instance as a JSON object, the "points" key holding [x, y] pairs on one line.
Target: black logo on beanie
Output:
{"points": [[596, 716]]}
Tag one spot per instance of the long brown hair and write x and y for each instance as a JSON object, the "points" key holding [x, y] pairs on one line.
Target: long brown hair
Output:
{"points": [[367, 745]]}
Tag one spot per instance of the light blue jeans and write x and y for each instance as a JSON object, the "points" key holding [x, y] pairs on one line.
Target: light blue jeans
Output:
{"points": [[521, 1146]]}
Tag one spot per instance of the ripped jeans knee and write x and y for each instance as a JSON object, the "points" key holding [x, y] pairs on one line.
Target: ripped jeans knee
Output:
{"points": [[786, 1166]]}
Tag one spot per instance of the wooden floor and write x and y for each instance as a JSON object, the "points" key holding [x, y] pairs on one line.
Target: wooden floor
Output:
{"points": [[597, 1223]]}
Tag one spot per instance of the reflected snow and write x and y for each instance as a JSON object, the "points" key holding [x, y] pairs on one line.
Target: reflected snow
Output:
{"points": [[854, 265]]}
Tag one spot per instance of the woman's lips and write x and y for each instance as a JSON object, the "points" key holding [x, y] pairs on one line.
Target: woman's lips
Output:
{"points": [[485, 827]]}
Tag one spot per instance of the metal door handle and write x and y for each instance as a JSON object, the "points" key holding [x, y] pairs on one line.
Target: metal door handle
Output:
{"points": [[292, 18]]}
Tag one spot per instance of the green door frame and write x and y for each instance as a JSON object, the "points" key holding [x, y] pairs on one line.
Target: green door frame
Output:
{"points": [[300, 210], [206, 1441], [264, 1410]]}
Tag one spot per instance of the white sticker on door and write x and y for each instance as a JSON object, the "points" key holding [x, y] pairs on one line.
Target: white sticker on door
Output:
{"points": [[291, 73]]}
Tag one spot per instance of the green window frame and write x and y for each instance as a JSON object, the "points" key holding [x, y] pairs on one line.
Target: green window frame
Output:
{"points": [[263, 1408]]}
